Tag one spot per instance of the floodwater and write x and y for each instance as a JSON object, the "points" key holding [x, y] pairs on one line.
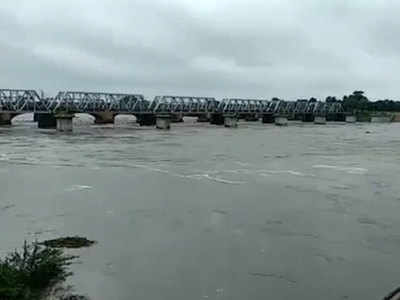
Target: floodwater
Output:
{"points": [[205, 212]]}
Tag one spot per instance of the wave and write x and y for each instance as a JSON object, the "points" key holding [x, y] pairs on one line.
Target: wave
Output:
{"points": [[290, 172], [78, 188], [221, 180], [349, 170], [212, 178]]}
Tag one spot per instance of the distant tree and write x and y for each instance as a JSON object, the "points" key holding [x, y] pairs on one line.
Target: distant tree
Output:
{"points": [[312, 100], [386, 105], [331, 99], [356, 102]]}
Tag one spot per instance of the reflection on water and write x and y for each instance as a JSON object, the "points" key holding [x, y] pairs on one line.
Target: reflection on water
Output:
{"points": [[204, 212]]}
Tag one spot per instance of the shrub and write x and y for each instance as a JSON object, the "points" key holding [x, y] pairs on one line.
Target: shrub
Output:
{"points": [[27, 274]]}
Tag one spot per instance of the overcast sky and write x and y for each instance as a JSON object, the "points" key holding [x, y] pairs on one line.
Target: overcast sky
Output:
{"points": [[222, 48]]}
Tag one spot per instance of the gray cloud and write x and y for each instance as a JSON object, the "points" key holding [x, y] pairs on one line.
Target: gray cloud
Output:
{"points": [[256, 48]]}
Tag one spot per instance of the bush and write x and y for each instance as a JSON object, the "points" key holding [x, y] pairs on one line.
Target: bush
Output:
{"points": [[27, 274]]}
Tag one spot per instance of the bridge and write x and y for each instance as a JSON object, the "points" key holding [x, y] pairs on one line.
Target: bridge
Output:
{"points": [[58, 111]]}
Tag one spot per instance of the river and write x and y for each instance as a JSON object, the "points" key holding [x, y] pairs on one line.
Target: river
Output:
{"points": [[205, 212]]}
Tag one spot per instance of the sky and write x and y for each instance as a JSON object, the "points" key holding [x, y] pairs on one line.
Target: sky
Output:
{"points": [[220, 48]]}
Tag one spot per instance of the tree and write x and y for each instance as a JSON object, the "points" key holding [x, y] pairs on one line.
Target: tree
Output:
{"points": [[356, 102], [312, 100], [331, 99]]}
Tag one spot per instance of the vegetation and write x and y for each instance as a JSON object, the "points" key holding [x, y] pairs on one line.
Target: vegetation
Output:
{"points": [[68, 242], [29, 273], [357, 102]]}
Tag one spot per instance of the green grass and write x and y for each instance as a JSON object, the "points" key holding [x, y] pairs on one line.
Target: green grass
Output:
{"points": [[28, 273]]}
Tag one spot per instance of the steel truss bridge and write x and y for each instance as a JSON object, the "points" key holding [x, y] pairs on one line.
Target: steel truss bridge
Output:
{"points": [[28, 101]]}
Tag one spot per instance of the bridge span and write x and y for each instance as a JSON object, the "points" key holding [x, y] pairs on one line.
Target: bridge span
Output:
{"points": [[58, 112]]}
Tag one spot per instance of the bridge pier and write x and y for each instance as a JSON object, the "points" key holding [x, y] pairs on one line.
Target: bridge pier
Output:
{"points": [[146, 119], [331, 117], [230, 121], [35, 117], [5, 118], [268, 118], [340, 117], [380, 119], [64, 122], [163, 122], [351, 119], [177, 118], [320, 120], [46, 121], [363, 117], [308, 117], [106, 117], [205, 117], [298, 117], [251, 117], [217, 119], [281, 121]]}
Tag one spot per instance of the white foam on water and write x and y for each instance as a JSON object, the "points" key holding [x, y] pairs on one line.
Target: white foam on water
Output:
{"points": [[239, 171], [150, 168], [194, 176], [290, 172], [265, 175], [215, 179], [4, 157], [349, 170], [78, 188], [295, 173], [221, 180], [243, 164]]}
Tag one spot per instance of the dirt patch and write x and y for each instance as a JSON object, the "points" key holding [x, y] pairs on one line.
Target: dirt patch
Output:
{"points": [[69, 242]]}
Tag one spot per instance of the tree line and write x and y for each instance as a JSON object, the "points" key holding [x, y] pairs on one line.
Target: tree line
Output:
{"points": [[357, 101]]}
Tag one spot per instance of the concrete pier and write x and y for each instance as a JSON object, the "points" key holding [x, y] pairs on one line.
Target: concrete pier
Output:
{"points": [[336, 117], [35, 117], [202, 118], [268, 118], [106, 117], [251, 118], [298, 117], [5, 118], [380, 119], [320, 120], [46, 121], [163, 122], [308, 117], [177, 118], [217, 119], [363, 117], [350, 119], [281, 121], [146, 119], [230, 121], [64, 122], [340, 117]]}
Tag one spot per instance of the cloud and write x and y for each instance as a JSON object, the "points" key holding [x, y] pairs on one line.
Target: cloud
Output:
{"points": [[256, 48]]}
